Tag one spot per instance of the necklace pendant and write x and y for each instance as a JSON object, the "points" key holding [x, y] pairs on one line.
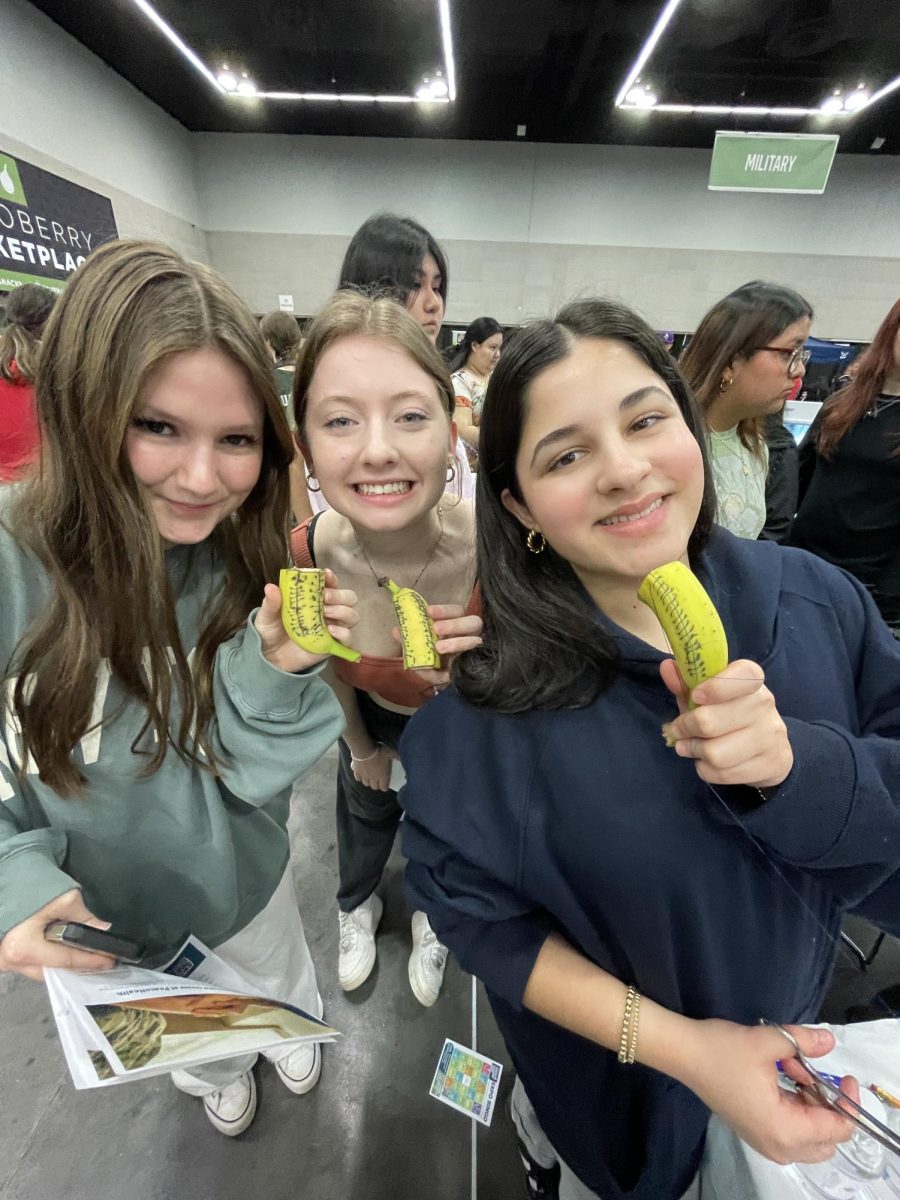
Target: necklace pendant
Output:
{"points": [[745, 468]]}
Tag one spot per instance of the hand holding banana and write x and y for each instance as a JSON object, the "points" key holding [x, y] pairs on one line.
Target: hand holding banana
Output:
{"points": [[729, 723], [308, 608], [455, 630]]}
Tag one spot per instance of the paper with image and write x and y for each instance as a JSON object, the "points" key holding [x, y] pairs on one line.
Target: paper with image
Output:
{"points": [[131, 1022], [467, 1081]]}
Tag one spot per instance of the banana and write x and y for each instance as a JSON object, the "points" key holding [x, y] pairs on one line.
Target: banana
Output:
{"points": [[689, 620], [416, 628], [303, 613]]}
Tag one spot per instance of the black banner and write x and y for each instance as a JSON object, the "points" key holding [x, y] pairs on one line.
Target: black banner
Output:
{"points": [[48, 225]]}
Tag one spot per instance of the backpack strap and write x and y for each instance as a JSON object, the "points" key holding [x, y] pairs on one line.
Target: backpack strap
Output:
{"points": [[302, 551]]}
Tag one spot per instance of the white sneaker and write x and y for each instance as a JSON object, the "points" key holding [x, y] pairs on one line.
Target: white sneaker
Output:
{"points": [[299, 1071], [232, 1109], [356, 956], [427, 961]]}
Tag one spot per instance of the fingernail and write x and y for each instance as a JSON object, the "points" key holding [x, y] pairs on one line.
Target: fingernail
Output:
{"points": [[682, 749]]}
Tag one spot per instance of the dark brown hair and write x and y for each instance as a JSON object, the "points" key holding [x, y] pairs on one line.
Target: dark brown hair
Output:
{"points": [[736, 327], [85, 516], [848, 405], [282, 333], [27, 310]]}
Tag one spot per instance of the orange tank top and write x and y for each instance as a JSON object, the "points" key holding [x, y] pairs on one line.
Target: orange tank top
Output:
{"points": [[373, 673]]}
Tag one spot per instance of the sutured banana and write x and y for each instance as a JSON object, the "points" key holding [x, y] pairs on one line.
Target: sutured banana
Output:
{"points": [[416, 629], [689, 620], [303, 613]]}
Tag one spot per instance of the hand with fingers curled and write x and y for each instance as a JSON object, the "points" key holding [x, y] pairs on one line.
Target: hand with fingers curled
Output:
{"points": [[734, 734], [456, 631], [732, 1069], [279, 649], [25, 951]]}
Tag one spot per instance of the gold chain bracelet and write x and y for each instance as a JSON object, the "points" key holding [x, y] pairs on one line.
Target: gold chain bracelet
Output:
{"points": [[628, 1039]]}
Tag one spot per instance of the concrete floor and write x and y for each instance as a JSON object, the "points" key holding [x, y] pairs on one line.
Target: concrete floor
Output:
{"points": [[369, 1131]]}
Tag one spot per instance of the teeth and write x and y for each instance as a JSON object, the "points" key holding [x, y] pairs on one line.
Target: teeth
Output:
{"points": [[382, 489], [634, 516]]}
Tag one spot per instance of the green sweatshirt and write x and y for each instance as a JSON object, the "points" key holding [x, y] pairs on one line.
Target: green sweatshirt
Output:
{"points": [[177, 851]]}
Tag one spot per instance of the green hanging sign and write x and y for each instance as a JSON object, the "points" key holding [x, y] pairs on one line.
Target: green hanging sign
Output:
{"points": [[772, 162]]}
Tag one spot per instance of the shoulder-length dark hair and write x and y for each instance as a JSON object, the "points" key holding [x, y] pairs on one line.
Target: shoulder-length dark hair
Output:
{"points": [[479, 331], [736, 327], [385, 256], [543, 645], [848, 405], [27, 310], [131, 307]]}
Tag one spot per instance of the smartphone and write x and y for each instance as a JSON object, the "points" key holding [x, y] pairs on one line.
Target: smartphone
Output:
{"points": [[97, 941]]}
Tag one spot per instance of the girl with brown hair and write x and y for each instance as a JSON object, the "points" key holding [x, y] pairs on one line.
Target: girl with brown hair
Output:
{"points": [[742, 363], [27, 310], [850, 475], [374, 409], [151, 789]]}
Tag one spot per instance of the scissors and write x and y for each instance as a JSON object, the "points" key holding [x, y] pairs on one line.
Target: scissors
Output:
{"points": [[830, 1096]]}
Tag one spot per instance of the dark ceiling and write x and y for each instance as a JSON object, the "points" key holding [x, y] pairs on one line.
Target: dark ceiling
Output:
{"points": [[554, 66]]}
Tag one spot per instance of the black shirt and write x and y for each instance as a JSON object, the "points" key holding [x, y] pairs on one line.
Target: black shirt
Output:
{"points": [[850, 512]]}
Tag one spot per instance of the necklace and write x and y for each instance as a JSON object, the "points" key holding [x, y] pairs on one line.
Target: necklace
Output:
{"points": [[376, 575], [730, 448]]}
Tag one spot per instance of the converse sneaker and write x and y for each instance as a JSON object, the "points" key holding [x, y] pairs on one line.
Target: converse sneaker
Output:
{"points": [[356, 956], [232, 1109], [299, 1071], [427, 961]]}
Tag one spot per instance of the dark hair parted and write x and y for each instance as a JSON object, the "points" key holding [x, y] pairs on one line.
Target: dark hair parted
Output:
{"points": [[543, 645], [282, 333], [479, 331], [385, 256], [131, 306], [27, 310], [736, 327], [851, 403]]}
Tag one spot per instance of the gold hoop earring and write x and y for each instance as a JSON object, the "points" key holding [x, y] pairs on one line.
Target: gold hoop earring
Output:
{"points": [[725, 384], [309, 482], [451, 470], [532, 543]]}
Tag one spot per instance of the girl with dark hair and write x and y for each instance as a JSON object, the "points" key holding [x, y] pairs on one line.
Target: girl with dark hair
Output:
{"points": [[850, 475], [471, 365], [573, 858], [152, 789], [27, 310], [742, 363], [398, 257], [281, 334], [374, 411]]}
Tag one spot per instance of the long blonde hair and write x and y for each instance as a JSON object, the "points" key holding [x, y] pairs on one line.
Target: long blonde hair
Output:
{"points": [[85, 516]]}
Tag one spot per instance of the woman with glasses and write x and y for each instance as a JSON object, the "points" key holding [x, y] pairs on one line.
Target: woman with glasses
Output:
{"points": [[742, 364], [850, 475]]}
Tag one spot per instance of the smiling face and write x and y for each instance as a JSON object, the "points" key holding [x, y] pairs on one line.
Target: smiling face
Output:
{"points": [[195, 443], [608, 470], [763, 382], [377, 436], [425, 301]]}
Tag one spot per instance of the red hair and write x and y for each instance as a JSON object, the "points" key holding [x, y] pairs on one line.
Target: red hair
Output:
{"points": [[848, 405]]}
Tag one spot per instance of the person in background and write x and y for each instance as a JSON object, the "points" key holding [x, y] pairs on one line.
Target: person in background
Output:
{"points": [[471, 366], [741, 364], [399, 257], [27, 310], [374, 412], [571, 857], [850, 475], [153, 789], [782, 484], [283, 340]]}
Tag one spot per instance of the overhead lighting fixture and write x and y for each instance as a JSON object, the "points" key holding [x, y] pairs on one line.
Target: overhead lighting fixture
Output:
{"points": [[877, 143], [832, 104], [631, 97], [226, 83]]}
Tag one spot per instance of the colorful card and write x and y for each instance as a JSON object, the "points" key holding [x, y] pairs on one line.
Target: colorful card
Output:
{"points": [[467, 1081]]}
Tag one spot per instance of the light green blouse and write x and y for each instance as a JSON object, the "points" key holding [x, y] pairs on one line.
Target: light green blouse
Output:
{"points": [[740, 479]]}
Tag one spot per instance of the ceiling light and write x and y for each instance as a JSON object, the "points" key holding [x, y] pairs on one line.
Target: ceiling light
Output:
{"points": [[227, 80], [424, 92], [447, 42], [856, 99], [877, 143], [439, 88], [246, 87], [832, 104], [640, 96]]}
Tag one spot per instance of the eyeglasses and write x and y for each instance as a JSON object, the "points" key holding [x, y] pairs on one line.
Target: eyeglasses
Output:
{"points": [[793, 359]]}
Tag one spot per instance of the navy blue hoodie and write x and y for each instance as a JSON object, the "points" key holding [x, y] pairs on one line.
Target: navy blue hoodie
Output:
{"points": [[584, 822]]}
